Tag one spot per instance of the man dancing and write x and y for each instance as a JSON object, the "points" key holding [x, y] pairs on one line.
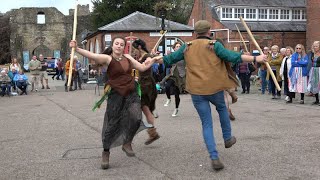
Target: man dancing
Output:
{"points": [[206, 79]]}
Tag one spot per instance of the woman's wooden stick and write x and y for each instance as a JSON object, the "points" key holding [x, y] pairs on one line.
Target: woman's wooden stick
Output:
{"points": [[130, 47], [158, 42], [73, 38], [261, 52]]}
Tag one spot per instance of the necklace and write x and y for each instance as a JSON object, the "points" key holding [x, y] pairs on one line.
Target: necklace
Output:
{"points": [[117, 58]]}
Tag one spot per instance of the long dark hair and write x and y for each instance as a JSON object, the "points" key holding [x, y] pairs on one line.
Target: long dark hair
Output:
{"points": [[108, 50], [141, 43]]}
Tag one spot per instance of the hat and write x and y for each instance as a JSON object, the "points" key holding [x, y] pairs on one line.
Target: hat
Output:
{"points": [[202, 26]]}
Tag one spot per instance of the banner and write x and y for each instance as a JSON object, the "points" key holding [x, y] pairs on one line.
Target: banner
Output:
{"points": [[56, 53], [26, 59]]}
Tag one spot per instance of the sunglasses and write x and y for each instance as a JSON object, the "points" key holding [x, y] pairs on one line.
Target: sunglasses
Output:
{"points": [[298, 48]]}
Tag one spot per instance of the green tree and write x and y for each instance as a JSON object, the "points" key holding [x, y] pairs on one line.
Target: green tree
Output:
{"points": [[107, 11], [5, 56]]}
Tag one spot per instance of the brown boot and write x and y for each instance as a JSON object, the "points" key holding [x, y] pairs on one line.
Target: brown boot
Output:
{"points": [[234, 96], [127, 148], [231, 116], [105, 159], [153, 135]]}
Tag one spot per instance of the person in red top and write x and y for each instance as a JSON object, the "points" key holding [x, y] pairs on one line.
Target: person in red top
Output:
{"points": [[123, 115]]}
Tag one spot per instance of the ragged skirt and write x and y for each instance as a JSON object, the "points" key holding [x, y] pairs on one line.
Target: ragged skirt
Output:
{"points": [[122, 119]]}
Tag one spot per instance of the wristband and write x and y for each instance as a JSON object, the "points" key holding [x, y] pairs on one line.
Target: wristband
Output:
{"points": [[254, 59]]}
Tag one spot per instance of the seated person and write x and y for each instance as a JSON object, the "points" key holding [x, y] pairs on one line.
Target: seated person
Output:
{"points": [[11, 74], [21, 80], [5, 83]]}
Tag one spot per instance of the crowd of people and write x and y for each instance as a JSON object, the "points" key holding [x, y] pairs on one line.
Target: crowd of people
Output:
{"points": [[13, 77], [296, 70]]}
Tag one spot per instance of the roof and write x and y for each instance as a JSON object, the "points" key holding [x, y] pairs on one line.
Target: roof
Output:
{"points": [[139, 21], [268, 26], [259, 3]]}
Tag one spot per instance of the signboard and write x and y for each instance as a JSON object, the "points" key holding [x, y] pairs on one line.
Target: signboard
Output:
{"points": [[26, 59]]}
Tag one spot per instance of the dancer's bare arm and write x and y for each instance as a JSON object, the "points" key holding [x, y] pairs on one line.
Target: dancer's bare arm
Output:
{"points": [[98, 58], [137, 65]]}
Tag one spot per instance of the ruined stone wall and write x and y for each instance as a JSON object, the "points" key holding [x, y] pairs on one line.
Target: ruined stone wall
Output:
{"points": [[28, 35]]}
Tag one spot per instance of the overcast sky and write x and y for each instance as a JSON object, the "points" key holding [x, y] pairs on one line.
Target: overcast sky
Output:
{"points": [[61, 5]]}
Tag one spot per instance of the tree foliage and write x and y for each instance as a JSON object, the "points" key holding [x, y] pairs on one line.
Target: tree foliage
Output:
{"points": [[5, 56], [107, 11]]}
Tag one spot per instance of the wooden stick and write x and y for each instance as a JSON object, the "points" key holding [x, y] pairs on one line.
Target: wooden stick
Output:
{"points": [[158, 42], [244, 43], [130, 47], [73, 38], [261, 52], [241, 38]]}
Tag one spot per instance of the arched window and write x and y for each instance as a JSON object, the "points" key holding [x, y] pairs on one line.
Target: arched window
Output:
{"points": [[41, 18]]}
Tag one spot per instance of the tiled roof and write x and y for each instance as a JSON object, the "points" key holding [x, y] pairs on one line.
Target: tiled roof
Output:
{"points": [[268, 26], [139, 21]]}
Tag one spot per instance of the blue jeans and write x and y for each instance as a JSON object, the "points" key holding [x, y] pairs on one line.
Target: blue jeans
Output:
{"points": [[202, 105], [263, 76]]}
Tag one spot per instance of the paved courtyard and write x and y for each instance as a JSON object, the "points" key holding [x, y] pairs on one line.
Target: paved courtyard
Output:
{"points": [[52, 134]]}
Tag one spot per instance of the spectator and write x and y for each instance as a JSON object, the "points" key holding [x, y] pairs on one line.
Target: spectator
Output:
{"points": [[21, 80], [43, 71], [35, 66], [77, 77], [5, 83], [14, 64]]}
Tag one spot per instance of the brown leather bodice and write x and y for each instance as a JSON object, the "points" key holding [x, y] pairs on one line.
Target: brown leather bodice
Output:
{"points": [[119, 76]]}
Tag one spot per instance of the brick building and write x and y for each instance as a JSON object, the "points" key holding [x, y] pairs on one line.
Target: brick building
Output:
{"points": [[273, 22], [143, 26]]}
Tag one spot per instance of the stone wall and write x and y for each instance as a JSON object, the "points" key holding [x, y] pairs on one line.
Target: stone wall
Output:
{"points": [[28, 35]]}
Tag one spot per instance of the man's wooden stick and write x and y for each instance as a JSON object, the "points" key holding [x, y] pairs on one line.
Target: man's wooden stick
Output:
{"points": [[73, 38], [261, 52], [241, 38]]}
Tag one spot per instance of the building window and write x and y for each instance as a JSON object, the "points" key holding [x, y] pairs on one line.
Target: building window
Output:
{"points": [[227, 13], [285, 14], [263, 13], [251, 14], [107, 40], [273, 14], [238, 12], [296, 14], [41, 18], [303, 15]]}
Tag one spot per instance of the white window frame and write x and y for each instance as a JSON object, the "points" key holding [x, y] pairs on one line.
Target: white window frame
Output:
{"points": [[268, 10], [232, 13], [289, 15], [248, 14], [237, 13]]}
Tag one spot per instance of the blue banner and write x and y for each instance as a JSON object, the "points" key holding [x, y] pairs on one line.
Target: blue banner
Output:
{"points": [[56, 53], [26, 59]]}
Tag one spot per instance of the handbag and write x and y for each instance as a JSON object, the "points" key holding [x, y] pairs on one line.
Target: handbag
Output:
{"points": [[251, 67]]}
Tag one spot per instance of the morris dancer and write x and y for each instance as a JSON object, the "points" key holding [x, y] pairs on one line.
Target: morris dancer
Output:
{"points": [[148, 89], [207, 78], [123, 114], [176, 80]]}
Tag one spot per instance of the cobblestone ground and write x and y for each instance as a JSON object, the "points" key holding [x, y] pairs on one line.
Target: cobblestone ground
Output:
{"points": [[52, 134]]}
